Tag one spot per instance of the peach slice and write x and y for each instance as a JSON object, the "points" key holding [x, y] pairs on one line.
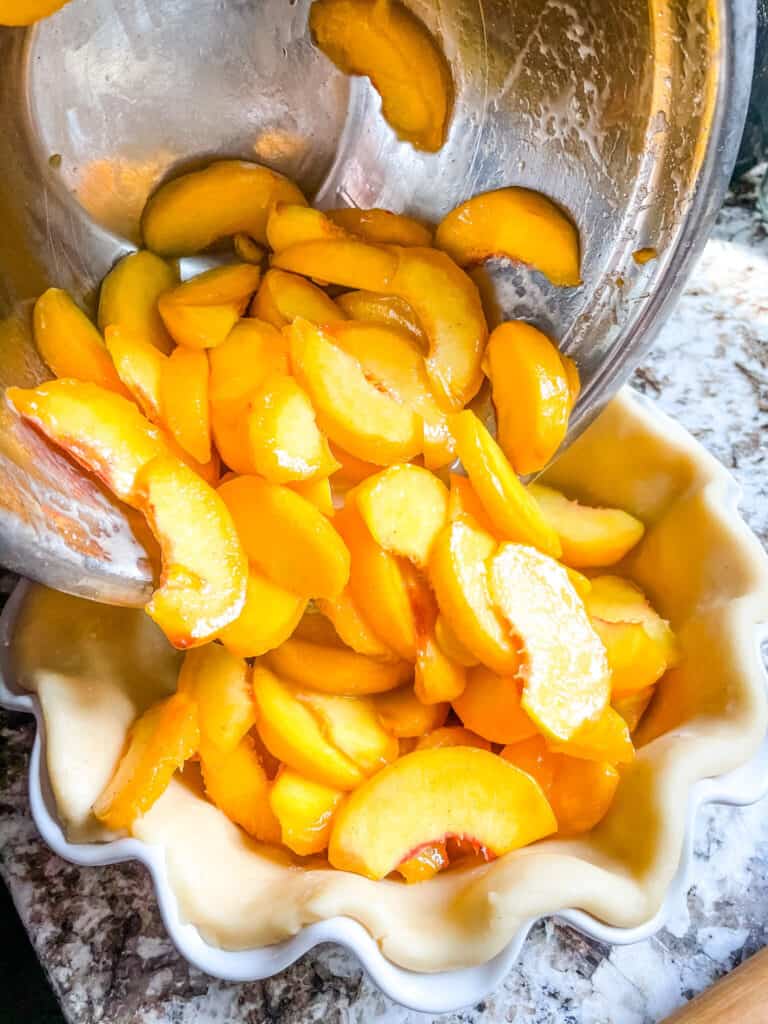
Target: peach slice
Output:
{"points": [[458, 571], [129, 294], [378, 585], [287, 537], [235, 780], [632, 706], [605, 738], [292, 224], [284, 438], [451, 645], [582, 793], [101, 430], [402, 713], [70, 344], [184, 401], [204, 576], [522, 225], [437, 678], [352, 628], [159, 742], [305, 810], [27, 12], [581, 584], [429, 795], [463, 501], [351, 410], [200, 312], [530, 393], [188, 213], [392, 362], [452, 736], [247, 250], [565, 673], [425, 864], [533, 756], [392, 47], [511, 509], [349, 262], [387, 310], [590, 538], [315, 628], [404, 507], [381, 226], [318, 491], [335, 669], [491, 706], [269, 616], [219, 683], [139, 365], [573, 377], [351, 470], [333, 740], [282, 297]]}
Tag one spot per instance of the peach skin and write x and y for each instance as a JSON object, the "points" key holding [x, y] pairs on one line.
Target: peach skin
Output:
{"points": [[220, 685], [565, 673], [432, 794], [235, 780], [287, 537], [396, 51], [282, 297], [381, 226], [159, 742], [184, 401], [590, 538], [522, 225], [191, 212], [387, 310], [402, 713], [269, 616], [490, 706], [200, 312], [129, 294], [352, 411], [511, 509], [530, 393], [139, 365], [305, 810], [70, 344], [335, 669]]}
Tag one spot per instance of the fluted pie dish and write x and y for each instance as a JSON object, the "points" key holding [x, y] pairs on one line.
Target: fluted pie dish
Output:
{"points": [[241, 911]]}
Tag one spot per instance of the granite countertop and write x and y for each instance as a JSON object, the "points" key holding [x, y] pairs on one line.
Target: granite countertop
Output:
{"points": [[98, 933]]}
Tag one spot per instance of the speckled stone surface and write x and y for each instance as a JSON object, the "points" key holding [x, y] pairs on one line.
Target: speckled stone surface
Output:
{"points": [[97, 930]]}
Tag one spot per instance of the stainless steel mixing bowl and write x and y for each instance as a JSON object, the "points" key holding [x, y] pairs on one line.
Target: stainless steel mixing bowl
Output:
{"points": [[627, 113]]}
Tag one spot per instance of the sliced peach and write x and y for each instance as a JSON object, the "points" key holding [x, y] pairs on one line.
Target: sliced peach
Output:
{"points": [[404, 507], [511, 509], [235, 780], [269, 616], [632, 706], [139, 365], [352, 628], [350, 262], [463, 501], [582, 794], [396, 51], [452, 736], [388, 310], [353, 726], [530, 393], [316, 628], [431, 794], [184, 401], [605, 738], [285, 441], [293, 224], [378, 585], [159, 742], [351, 410], [351, 470], [247, 250], [318, 491], [451, 645], [188, 213], [581, 584], [210, 471], [565, 673], [27, 12], [103, 431], [70, 344], [381, 226], [491, 706], [458, 571], [200, 312], [522, 225], [402, 713], [335, 669], [533, 756], [305, 810], [573, 377], [129, 294], [590, 537], [219, 683], [202, 588], [282, 297], [425, 864], [392, 362], [287, 537], [437, 677]]}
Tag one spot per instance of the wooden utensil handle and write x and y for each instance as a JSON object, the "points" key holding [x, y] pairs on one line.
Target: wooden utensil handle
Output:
{"points": [[741, 997]]}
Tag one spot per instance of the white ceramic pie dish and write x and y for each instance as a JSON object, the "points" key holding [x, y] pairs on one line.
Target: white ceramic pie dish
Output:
{"points": [[703, 741]]}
